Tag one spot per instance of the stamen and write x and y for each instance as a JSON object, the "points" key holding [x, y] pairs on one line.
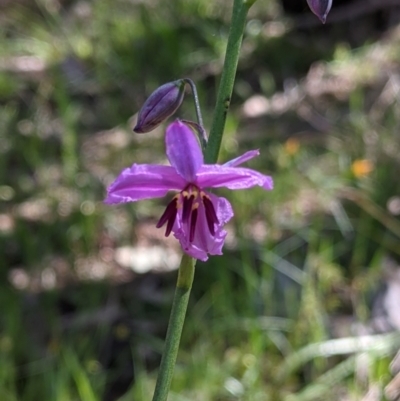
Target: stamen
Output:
{"points": [[187, 207], [193, 222], [170, 224], [211, 215], [169, 216]]}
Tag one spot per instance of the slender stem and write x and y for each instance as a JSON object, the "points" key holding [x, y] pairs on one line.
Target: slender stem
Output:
{"points": [[186, 269], [196, 101], [239, 14], [175, 326], [201, 132]]}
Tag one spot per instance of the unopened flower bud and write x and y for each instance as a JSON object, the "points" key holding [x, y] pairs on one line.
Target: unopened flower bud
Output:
{"points": [[320, 8], [161, 104]]}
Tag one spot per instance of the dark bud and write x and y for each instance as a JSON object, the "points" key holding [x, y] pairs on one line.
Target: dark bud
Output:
{"points": [[320, 8], [160, 105]]}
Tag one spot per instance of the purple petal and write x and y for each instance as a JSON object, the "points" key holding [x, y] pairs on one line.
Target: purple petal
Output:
{"points": [[216, 176], [204, 243], [183, 150], [242, 159], [143, 181], [224, 210]]}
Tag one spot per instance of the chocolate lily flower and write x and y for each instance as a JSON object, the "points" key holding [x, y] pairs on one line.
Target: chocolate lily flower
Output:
{"points": [[195, 216]]}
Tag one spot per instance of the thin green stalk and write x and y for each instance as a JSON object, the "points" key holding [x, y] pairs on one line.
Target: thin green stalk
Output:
{"points": [[199, 127], [196, 101], [239, 15], [187, 267], [175, 326]]}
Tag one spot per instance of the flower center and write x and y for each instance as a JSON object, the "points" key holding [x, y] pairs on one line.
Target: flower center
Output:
{"points": [[193, 204]]}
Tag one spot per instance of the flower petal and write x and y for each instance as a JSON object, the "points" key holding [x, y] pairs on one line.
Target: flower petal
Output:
{"points": [[216, 176], [242, 159], [183, 150], [143, 181], [204, 243]]}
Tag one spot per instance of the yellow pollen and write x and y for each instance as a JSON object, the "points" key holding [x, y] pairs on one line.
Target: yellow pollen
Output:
{"points": [[195, 206]]}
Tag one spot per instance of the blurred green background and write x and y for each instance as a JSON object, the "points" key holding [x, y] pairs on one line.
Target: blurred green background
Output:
{"points": [[86, 288]]}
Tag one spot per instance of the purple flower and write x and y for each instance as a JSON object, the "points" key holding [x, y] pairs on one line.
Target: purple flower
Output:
{"points": [[195, 216]]}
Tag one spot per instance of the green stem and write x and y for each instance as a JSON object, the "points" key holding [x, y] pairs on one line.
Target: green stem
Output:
{"points": [[186, 269], [175, 326], [239, 14], [196, 101]]}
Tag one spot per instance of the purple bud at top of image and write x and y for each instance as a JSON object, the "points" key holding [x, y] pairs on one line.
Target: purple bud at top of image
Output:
{"points": [[160, 105], [320, 8]]}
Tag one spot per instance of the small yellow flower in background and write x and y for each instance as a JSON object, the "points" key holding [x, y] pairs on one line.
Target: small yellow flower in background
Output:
{"points": [[292, 146], [362, 167]]}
